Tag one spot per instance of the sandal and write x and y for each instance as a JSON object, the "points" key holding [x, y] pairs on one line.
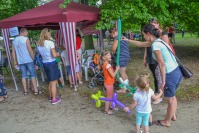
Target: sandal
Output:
{"points": [[114, 109], [26, 92], [38, 92], [5, 97], [158, 122], [2, 99], [108, 112]]}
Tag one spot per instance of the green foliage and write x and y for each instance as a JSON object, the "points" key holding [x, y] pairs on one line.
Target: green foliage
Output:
{"points": [[134, 13], [88, 42], [11, 7], [65, 4]]}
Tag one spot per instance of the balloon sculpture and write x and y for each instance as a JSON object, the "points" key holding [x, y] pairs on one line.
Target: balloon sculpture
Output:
{"points": [[114, 100], [97, 97], [126, 86]]}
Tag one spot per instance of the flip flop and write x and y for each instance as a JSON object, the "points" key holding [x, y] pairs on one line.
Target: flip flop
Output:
{"points": [[2, 99], [5, 97], [158, 122]]}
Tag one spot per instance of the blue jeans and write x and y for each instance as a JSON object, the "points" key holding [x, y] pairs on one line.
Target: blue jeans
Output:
{"points": [[144, 116], [28, 67]]}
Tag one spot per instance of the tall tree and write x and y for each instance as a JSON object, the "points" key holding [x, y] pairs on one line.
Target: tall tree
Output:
{"points": [[136, 12], [11, 7]]}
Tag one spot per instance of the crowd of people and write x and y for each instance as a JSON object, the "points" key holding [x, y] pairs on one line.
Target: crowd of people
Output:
{"points": [[165, 70], [162, 64]]}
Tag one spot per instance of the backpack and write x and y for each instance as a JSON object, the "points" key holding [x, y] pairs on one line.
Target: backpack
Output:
{"points": [[96, 59], [37, 59]]}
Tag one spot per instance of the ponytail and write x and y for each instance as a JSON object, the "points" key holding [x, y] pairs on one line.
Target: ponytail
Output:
{"points": [[152, 30]]}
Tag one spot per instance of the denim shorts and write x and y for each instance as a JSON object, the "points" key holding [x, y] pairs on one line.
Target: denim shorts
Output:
{"points": [[173, 80], [52, 71], [68, 68], [28, 67], [144, 117]]}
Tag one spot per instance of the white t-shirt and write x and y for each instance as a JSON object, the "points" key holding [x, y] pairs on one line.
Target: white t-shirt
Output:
{"points": [[45, 51], [21, 50], [64, 54], [143, 99]]}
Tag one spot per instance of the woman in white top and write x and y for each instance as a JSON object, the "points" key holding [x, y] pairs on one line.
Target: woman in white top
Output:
{"points": [[47, 50]]}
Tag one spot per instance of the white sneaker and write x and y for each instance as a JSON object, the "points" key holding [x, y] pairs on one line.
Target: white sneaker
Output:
{"points": [[75, 89]]}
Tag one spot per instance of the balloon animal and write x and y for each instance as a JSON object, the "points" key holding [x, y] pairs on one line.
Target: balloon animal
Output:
{"points": [[113, 100]]}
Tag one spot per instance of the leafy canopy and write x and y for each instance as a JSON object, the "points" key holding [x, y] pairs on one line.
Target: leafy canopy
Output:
{"points": [[134, 13]]}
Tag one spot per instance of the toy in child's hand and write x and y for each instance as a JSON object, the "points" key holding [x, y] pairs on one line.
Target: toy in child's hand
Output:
{"points": [[127, 87], [131, 90], [114, 100]]}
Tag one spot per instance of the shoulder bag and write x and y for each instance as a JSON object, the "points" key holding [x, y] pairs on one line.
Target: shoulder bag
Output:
{"points": [[185, 71]]}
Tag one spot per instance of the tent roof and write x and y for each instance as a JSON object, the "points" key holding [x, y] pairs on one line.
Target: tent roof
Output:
{"points": [[49, 15]]}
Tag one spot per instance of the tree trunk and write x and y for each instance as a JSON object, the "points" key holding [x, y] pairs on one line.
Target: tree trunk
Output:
{"points": [[88, 42], [84, 2]]}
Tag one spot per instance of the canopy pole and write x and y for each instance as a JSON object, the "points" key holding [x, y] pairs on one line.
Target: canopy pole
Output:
{"points": [[6, 43]]}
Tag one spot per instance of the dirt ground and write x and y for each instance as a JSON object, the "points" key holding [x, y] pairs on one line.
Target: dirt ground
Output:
{"points": [[76, 114]]}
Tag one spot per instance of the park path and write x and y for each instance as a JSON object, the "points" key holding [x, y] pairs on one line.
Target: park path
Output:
{"points": [[76, 114]]}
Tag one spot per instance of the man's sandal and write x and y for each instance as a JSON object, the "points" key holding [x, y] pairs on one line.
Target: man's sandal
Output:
{"points": [[38, 92]]}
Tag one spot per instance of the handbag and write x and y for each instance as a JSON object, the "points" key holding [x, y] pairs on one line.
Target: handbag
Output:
{"points": [[186, 73]]}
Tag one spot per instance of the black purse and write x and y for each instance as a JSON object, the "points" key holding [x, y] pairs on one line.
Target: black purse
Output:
{"points": [[186, 73]]}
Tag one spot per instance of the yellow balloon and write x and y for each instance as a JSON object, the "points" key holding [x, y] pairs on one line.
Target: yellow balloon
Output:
{"points": [[93, 96], [97, 97], [98, 103]]}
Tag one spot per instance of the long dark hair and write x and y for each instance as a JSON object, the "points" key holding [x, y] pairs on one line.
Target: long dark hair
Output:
{"points": [[151, 29]]}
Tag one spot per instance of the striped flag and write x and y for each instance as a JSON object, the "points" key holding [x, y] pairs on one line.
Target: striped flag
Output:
{"points": [[68, 30]]}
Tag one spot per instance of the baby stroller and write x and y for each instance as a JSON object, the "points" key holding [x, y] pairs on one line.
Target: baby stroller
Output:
{"points": [[98, 77]]}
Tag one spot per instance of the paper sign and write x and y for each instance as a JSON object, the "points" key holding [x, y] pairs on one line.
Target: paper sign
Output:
{"points": [[14, 31]]}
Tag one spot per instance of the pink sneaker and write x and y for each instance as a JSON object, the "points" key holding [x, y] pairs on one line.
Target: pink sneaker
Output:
{"points": [[56, 101]]}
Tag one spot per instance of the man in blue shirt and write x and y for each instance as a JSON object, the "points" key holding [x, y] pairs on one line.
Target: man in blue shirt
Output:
{"points": [[23, 57]]}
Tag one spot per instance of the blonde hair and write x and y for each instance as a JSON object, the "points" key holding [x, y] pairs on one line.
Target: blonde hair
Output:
{"points": [[44, 36], [142, 82], [105, 52]]}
